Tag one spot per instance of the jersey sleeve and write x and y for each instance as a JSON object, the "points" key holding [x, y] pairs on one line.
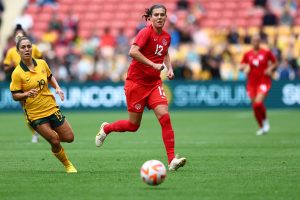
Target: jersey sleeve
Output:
{"points": [[16, 82], [142, 38], [271, 57], [245, 59], [7, 59], [48, 70]]}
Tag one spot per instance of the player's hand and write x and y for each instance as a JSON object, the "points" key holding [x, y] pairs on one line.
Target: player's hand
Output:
{"points": [[170, 74], [268, 72], [60, 93], [246, 70], [32, 93], [158, 67]]}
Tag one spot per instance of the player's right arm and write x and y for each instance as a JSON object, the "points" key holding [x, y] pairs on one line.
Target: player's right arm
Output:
{"points": [[16, 89], [135, 53], [7, 62], [244, 66]]}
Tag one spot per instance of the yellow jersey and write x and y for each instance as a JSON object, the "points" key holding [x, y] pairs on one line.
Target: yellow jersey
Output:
{"points": [[12, 58], [24, 79]]}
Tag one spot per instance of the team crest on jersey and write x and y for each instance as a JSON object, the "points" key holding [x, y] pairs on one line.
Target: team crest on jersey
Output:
{"points": [[138, 106], [43, 71], [164, 42], [260, 57]]}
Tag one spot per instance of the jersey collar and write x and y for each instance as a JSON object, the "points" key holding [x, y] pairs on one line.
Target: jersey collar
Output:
{"points": [[24, 67]]}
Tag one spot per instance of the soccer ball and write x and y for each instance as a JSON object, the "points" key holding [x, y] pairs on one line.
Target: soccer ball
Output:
{"points": [[153, 172]]}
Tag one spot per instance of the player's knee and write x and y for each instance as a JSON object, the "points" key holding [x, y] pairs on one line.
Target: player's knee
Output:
{"points": [[55, 141], [70, 138], [133, 127]]}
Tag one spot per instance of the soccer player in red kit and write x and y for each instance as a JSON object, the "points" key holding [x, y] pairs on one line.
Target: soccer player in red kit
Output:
{"points": [[258, 64], [143, 86]]}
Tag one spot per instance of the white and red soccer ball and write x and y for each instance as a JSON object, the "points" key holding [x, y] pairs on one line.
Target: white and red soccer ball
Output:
{"points": [[153, 172]]}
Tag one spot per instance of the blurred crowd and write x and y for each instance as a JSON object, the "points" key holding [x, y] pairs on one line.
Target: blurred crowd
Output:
{"points": [[197, 53]]}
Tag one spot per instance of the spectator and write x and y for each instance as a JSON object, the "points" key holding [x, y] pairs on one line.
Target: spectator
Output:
{"points": [[233, 36], [108, 43], [286, 18], [260, 3], [175, 35], [200, 37], [211, 63], [285, 71], [182, 5], [247, 37], [122, 42], [269, 18]]}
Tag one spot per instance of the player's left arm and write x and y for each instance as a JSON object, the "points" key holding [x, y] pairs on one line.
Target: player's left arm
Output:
{"points": [[271, 65], [56, 86], [167, 62], [53, 82]]}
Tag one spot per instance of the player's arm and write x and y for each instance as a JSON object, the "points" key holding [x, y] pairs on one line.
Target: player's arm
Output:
{"points": [[55, 85], [16, 89], [244, 66], [135, 53], [7, 66], [167, 62], [269, 71]]}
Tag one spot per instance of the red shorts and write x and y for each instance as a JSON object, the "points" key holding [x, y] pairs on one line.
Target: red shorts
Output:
{"points": [[138, 96], [260, 87]]}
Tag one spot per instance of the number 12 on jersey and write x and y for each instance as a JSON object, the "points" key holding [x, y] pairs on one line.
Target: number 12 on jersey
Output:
{"points": [[159, 49]]}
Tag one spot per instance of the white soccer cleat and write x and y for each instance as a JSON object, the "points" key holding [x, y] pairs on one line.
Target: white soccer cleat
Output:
{"points": [[176, 163], [35, 137], [101, 135], [260, 132], [266, 126]]}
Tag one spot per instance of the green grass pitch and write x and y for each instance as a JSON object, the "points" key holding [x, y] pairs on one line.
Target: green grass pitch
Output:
{"points": [[226, 160]]}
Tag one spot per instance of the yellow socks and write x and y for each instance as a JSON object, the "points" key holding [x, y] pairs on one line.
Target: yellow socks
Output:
{"points": [[65, 161]]}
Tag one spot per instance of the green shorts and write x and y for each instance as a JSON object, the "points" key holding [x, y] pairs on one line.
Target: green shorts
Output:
{"points": [[55, 120]]}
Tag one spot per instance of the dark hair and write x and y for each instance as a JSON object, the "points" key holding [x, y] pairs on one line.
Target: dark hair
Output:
{"points": [[19, 28], [19, 39], [149, 11]]}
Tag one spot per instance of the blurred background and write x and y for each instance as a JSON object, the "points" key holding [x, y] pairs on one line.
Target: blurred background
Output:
{"points": [[86, 43]]}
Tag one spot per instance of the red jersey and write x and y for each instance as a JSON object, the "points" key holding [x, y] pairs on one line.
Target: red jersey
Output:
{"points": [[258, 62], [153, 46]]}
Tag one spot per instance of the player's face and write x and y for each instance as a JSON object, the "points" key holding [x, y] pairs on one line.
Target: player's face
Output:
{"points": [[158, 17], [255, 42], [25, 49]]}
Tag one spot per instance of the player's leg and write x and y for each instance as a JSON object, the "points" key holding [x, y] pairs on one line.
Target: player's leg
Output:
{"points": [[136, 99], [131, 125], [157, 101], [162, 114], [261, 114], [45, 130]]}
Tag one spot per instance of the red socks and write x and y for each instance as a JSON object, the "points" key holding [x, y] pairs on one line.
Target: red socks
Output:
{"points": [[121, 126], [167, 135], [259, 112]]}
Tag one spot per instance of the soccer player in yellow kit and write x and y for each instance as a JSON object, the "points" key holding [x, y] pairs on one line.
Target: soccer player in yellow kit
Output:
{"points": [[30, 85], [12, 59]]}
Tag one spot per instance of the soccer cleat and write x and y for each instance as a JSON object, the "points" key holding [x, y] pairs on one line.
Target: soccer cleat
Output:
{"points": [[176, 163], [260, 132], [35, 138], [266, 126], [101, 135], [70, 168]]}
